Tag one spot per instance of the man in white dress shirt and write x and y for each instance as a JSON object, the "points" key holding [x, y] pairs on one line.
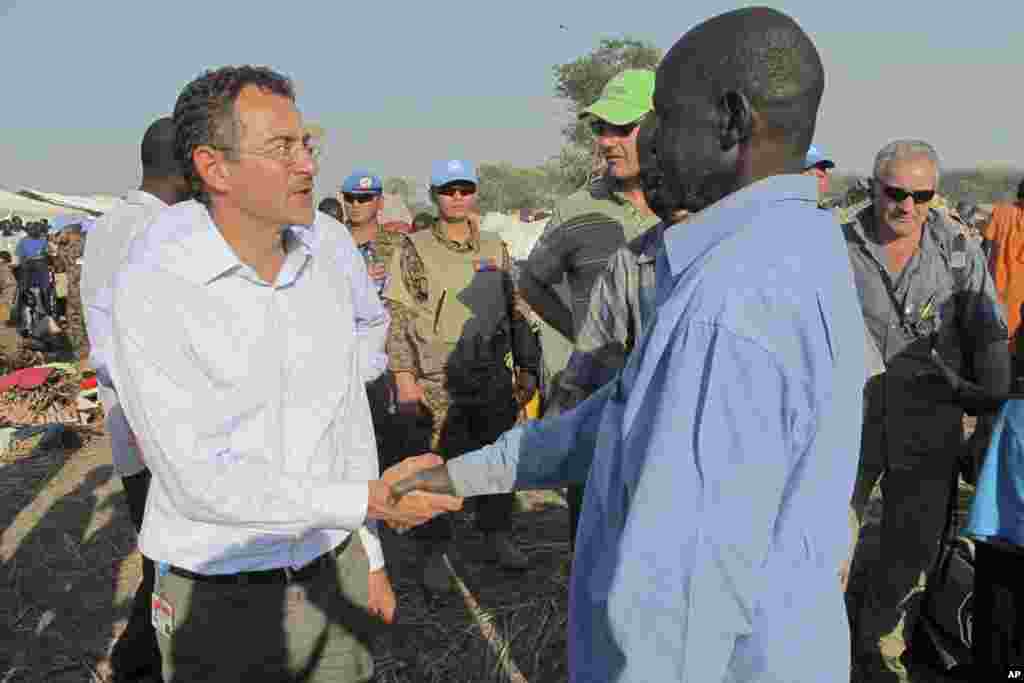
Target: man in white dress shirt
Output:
{"points": [[244, 330], [135, 657]]}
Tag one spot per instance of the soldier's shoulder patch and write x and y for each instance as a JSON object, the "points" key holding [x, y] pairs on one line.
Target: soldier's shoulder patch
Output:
{"points": [[485, 264]]}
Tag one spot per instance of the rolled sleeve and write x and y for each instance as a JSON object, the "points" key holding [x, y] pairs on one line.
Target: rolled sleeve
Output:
{"points": [[984, 315], [548, 260]]}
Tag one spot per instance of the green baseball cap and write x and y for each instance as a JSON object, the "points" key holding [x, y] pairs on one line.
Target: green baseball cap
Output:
{"points": [[625, 99]]}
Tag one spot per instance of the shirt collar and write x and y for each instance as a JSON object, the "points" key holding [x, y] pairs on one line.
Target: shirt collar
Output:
{"points": [[472, 244], [143, 198], [715, 223], [211, 257]]}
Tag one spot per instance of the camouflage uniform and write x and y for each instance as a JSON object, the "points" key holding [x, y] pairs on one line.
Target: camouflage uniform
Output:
{"points": [[465, 409], [912, 425], [381, 391], [69, 256]]}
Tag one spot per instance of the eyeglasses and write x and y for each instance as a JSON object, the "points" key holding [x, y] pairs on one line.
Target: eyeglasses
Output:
{"points": [[899, 195], [287, 152], [358, 198], [461, 190], [603, 129]]}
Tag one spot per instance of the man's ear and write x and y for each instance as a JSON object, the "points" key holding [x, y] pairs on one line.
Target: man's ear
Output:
{"points": [[211, 169], [736, 117]]}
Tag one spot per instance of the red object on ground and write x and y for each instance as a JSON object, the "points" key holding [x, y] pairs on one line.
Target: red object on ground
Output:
{"points": [[26, 378], [88, 383]]}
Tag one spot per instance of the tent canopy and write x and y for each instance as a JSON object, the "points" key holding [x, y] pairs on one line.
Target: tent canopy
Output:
{"points": [[12, 204]]}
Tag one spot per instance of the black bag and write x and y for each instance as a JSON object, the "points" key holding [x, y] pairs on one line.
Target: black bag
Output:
{"points": [[944, 628]]}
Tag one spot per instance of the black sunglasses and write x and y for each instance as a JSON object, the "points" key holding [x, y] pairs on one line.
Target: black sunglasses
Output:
{"points": [[463, 190], [358, 198], [899, 195], [603, 129]]}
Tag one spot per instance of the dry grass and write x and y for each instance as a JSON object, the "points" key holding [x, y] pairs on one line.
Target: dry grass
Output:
{"points": [[500, 626]]}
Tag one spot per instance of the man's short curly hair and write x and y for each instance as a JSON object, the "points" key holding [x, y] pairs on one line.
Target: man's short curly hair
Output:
{"points": [[205, 112]]}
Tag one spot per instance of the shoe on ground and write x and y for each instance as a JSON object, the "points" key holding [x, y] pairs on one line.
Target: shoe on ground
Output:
{"points": [[505, 552]]}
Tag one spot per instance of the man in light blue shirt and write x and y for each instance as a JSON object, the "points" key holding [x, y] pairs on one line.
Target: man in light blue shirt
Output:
{"points": [[720, 461]]}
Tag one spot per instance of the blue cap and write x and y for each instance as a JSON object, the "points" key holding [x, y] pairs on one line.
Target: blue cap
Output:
{"points": [[444, 172], [362, 182], [816, 157]]}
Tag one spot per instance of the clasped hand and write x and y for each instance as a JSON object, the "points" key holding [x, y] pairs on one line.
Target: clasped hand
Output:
{"points": [[402, 506]]}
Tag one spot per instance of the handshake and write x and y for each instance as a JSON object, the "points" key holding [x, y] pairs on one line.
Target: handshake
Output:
{"points": [[412, 492]]}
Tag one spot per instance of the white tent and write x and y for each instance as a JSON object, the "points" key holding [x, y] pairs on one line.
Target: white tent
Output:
{"points": [[520, 237], [95, 205], [12, 204]]}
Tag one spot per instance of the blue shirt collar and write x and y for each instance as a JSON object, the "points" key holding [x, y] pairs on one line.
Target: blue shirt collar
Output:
{"points": [[713, 224]]}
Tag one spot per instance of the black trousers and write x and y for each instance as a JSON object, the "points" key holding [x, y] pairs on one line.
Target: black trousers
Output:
{"points": [[998, 623], [136, 655], [467, 428]]}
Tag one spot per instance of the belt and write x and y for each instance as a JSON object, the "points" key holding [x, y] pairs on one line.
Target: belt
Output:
{"points": [[283, 575]]}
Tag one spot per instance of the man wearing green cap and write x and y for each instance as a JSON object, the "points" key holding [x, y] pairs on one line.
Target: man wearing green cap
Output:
{"points": [[589, 225]]}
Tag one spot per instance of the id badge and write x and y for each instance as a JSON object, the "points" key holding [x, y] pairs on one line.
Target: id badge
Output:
{"points": [[163, 615]]}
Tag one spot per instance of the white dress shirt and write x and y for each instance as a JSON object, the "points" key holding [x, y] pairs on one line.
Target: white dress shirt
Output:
{"points": [[248, 398], [105, 249]]}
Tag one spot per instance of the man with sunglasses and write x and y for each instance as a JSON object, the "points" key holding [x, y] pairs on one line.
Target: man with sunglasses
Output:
{"points": [[587, 227], [362, 194], [922, 289], [362, 197], [454, 323]]}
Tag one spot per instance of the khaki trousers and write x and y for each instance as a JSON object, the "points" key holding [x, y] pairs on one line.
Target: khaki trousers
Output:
{"points": [[310, 631]]}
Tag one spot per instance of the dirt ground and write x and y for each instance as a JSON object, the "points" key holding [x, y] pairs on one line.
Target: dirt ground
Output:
{"points": [[69, 569]]}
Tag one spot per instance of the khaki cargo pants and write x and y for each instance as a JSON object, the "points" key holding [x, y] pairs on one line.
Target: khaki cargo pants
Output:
{"points": [[313, 631], [909, 446]]}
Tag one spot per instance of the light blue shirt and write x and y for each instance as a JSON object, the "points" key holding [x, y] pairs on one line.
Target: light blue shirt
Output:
{"points": [[721, 459], [997, 513]]}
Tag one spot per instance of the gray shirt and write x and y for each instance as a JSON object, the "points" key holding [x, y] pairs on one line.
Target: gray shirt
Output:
{"points": [[903, 310], [582, 233], [621, 301]]}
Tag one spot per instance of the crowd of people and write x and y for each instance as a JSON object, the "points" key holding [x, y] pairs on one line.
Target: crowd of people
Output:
{"points": [[730, 376], [39, 283]]}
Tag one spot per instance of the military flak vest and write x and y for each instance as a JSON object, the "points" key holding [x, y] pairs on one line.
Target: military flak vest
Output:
{"points": [[464, 322]]}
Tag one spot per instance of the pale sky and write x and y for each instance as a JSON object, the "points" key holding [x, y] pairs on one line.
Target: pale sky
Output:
{"points": [[398, 85]]}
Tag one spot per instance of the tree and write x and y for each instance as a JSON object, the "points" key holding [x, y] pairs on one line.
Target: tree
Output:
{"points": [[504, 187], [580, 81]]}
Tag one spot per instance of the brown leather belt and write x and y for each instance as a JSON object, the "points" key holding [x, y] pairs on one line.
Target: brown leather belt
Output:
{"points": [[283, 575]]}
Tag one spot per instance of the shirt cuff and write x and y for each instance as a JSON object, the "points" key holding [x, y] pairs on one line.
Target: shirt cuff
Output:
{"points": [[483, 472], [372, 546], [340, 505]]}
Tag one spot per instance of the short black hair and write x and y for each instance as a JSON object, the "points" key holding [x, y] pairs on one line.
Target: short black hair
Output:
{"points": [[768, 58], [5, 256], [1020, 191], [205, 111], [330, 206], [159, 159]]}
